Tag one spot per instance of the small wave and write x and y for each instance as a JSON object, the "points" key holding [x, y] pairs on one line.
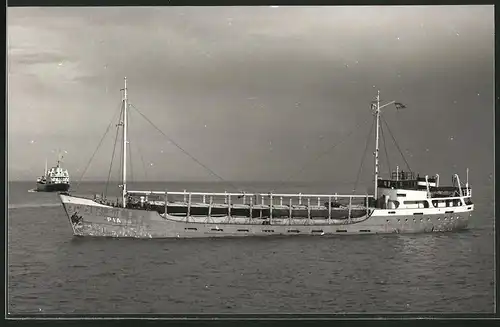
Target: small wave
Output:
{"points": [[32, 205]]}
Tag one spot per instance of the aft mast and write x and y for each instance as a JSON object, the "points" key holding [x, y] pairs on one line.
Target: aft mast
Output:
{"points": [[124, 152], [377, 109]]}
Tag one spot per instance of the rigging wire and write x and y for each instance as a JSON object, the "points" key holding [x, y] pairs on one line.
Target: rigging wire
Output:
{"points": [[131, 166], [364, 155], [138, 149], [180, 148], [98, 146], [320, 156], [396, 143], [143, 164], [130, 150], [113, 154], [385, 149]]}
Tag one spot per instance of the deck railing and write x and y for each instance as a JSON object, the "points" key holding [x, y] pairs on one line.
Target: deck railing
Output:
{"points": [[242, 194]]}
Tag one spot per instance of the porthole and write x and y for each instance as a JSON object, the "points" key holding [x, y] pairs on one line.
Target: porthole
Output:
{"points": [[399, 219], [406, 219], [414, 220], [387, 220], [428, 219], [421, 219]]}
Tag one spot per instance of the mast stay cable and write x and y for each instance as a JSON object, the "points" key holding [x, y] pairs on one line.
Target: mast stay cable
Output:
{"points": [[138, 149], [130, 160], [396, 143], [130, 151], [98, 146], [180, 148], [113, 155], [342, 140], [364, 155], [143, 164], [385, 149]]}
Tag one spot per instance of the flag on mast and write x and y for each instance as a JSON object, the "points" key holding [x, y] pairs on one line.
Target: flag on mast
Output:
{"points": [[399, 105]]}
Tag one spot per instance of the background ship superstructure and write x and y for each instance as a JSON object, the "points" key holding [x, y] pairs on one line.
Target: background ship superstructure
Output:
{"points": [[55, 179]]}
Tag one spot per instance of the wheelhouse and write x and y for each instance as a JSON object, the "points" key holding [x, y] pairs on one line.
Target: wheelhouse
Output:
{"points": [[408, 190]]}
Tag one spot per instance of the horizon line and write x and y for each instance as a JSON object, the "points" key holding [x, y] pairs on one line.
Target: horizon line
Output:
{"points": [[196, 181]]}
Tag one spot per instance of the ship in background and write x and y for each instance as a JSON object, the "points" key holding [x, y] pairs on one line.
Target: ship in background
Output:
{"points": [[55, 179], [403, 202]]}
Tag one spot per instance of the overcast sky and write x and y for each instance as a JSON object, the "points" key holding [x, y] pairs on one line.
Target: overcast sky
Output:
{"points": [[254, 93]]}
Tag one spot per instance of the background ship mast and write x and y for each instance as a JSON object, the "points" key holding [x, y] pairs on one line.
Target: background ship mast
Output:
{"points": [[59, 158]]}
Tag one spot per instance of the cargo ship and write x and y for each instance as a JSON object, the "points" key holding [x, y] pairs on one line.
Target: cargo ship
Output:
{"points": [[403, 202]]}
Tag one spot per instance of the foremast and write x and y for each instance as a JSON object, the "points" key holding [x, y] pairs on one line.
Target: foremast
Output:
{"points": [[124, 152]]}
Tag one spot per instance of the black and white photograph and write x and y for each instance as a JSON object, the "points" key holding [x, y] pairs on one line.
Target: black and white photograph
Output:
{"points": [[250, 160]]}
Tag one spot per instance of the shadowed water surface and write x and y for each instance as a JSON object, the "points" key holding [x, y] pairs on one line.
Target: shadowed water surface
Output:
{"points": [[51, 271]]}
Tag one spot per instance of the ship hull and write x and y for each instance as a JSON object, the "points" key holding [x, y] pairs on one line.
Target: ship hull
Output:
{"points": [[89, 218], [61, 187]]}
